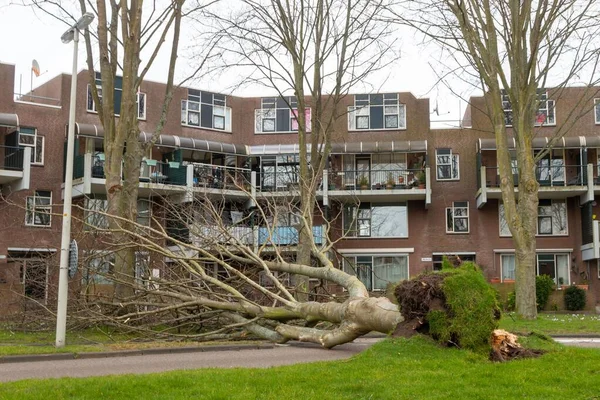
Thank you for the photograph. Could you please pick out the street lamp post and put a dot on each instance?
(63, 279)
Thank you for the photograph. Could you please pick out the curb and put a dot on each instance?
(127, 353)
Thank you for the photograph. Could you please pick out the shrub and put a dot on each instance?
(544, 285)
(574, 298)
(511, 301)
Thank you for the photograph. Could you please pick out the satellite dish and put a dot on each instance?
(73, 258)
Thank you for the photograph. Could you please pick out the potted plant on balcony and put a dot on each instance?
(422, 179)
(390, 181)
(363, 182)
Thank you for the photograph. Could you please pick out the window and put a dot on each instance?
(206, 110)
(279, 115)
(28, 137)
(144, 213)
(93, 214)
(265, 281)
(597, 111)
(376, 111)
(381, 220)
(554, 265)
(447, 165)
(99, 265)
(34, 278)
(118, 94)
(279, 172)
(376, 272)
(437, 259)
(507, 264)
(552, 218)
(457, 217)
(544, 116)
(39, 209)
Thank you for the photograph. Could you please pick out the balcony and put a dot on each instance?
(556, 182)
(15, 168)
(380, 185)
(160, 177)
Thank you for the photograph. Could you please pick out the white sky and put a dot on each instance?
(27, 34)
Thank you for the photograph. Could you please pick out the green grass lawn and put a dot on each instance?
(553, 324)
(392, 369)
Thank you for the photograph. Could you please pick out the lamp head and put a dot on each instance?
(82, 23)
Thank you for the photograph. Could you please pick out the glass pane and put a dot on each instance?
(389, 221)
(562, 269)
(218, 122)
(364, 273)
(504, 229)
(546, 265)
(443, 172)
(268, 125)
(391, 121)
(559, 218)
(449, 220)
(193, 118)
(455, 166)
(545, 225)
(389, 270)
(37, 155)
(508, 267)
(461, 224)
(362, 122)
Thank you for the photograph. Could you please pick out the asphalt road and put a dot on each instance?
(263, 358)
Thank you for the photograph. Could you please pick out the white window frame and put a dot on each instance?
(543, 99)
(597, 111)
(216, 104)
(34, 147)
(350, 270)
(502, 215)
(33, 209)
(454, 160)
(451, 216)
(141, 111)
(348, 230)
(269, 105)
(361, 108)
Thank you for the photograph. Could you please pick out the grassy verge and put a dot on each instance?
(393, 369)
(553, 324)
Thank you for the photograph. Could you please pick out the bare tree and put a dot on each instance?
(218, 277)
(316, 50)
(125, 30)
(514, 48)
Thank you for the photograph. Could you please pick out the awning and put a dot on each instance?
(572, 142)
(90, 130)
(379, 147)
(10, 120)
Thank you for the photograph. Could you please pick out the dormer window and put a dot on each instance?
(279, 115)
(376, 112)
(91, 104)
(206, 110)
(544, 116)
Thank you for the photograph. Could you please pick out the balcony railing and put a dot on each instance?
(547, 176)
(378, 179)
(11, 158)
(221, 177)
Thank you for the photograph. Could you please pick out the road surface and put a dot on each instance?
(256, 358)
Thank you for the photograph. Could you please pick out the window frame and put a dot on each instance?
(198, 98)
(597, 111)
(502, 215)
(33, 211)
(502, 256)
(542, 99)
(352, 228)
(34, 146)
(366, 103)
(352, 270)
(93, 220)
(453, 217)
(454, 160)
(269, 104)
(94, 109)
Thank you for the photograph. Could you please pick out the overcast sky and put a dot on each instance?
(27, 34)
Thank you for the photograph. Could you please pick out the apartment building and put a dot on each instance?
(423, 193)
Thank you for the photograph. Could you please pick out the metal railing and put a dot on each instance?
(221, 177)
(11, 158)
(378, 179)
(31, 98)
(552, 176)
